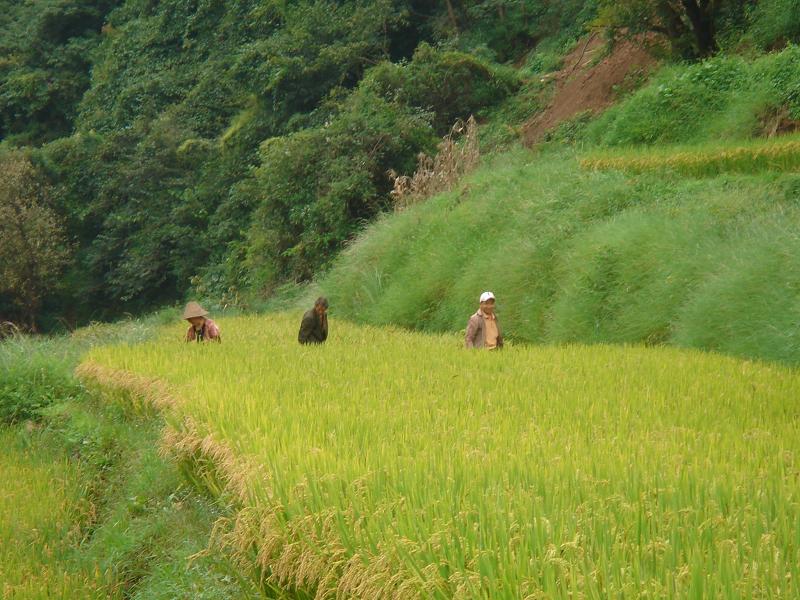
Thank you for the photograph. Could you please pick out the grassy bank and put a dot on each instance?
(88, 507)
(722, 98)
(389, 463)
(576, 255)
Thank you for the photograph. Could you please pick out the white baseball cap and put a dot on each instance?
(487, 296)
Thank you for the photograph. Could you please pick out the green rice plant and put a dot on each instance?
(782, 155)
(38, 502)
(387, 463)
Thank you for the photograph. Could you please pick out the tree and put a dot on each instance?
(32, 244)
(691, 26)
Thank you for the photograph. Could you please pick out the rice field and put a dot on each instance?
(781, 155)
(39, 497)
(392, 464)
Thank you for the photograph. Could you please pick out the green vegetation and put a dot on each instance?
(163, 156)
(756, 156)
(41, 498)
(723, 98)
(589, 256)
(366, 469)
(89, 509)
(225, 149)
(231, 151)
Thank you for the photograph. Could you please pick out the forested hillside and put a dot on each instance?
(225, 148)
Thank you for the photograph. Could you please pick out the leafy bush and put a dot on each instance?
(33, 375)
(318, 186)
(46, 53)
(451, 85)
(505, 29)
(775, 22)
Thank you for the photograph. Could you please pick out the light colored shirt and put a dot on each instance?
(490, 332)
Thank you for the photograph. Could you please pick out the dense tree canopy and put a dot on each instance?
(32, 245)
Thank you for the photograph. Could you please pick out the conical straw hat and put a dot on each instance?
(193, 309)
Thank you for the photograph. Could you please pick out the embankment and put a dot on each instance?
(575, 254)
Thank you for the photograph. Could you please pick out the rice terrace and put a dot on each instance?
(399, 299)
(589, 471)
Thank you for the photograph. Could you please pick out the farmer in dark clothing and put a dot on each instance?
(314, 327)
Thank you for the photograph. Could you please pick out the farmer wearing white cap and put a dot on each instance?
(483, 330)
(201, 328)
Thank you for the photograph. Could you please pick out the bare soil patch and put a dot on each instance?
(588, 84)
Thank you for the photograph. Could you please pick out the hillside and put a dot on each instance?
(210, 145)
(224, 149)
(693, 244)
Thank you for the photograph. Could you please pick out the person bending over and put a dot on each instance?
(201, 328)
(314, 326)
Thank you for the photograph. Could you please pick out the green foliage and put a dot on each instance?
(33, 248)
(723, 97)
(110, 517)
(316, 187)
(509, 28)
(577, 256)
(46, 51)
(451, 85)
(691, 27)
(157, 184)
(34, 375)
(775, 22)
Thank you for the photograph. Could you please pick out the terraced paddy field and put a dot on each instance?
(391, 464)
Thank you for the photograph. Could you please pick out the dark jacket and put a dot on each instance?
(313, 328)
(474, 337)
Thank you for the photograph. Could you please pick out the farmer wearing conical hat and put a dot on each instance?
(483, 330)
(201, 328)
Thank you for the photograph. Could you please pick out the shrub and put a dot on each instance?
(34, 374)
(318, 186)
(451, 85)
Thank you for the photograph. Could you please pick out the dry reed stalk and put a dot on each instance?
(458, 154)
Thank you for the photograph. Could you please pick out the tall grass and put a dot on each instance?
(36, 371)
(392, 464)
(576, 255)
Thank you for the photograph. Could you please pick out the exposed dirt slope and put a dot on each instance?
(588, 84)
